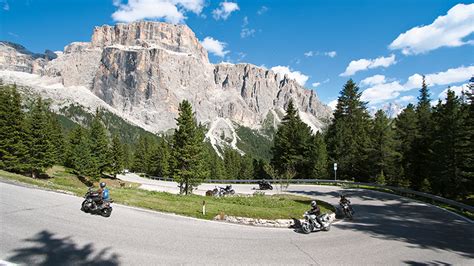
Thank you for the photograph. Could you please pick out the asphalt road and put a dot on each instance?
(42, 227)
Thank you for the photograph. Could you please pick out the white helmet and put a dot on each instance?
(314, 203)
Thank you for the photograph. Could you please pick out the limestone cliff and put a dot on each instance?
(145, 69)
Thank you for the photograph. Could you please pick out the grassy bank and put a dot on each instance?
(258, 206)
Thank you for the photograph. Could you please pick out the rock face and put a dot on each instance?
(15, 57)
(145, 69)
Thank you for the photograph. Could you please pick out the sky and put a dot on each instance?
(384, 46)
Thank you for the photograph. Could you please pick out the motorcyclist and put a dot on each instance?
(316, 211)
(344, 201)
(103, 193)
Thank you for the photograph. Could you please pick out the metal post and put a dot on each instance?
(335, 171)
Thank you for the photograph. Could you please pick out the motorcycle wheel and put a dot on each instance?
(306, 228)
(327, 228)
(106, 212)
(84, 207)
(348, 213)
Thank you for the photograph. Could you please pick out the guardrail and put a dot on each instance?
(453, 203)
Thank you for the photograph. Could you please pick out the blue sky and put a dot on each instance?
(383, 45)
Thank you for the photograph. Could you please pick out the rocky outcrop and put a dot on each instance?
(177, 38)
(15, 57)
(145, 69)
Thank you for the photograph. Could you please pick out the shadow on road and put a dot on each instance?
(48, 249)
(431, 263)
(402, 219)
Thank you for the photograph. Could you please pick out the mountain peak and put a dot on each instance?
(150, 34)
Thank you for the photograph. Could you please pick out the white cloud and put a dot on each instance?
(262, 10)
(407, 98)
(364, 64)
(224, 10)
(296, 75)
(245, 32)
(373, 80)
(316, 84)
(450, 76)
(214, 46)
(458, 90)
(172, 11)
(387, 91)
(331, 54)
(448, 30)
(382, 92)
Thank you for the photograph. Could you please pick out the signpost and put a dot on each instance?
(335, 171)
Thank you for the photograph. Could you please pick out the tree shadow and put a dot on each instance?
(428, 263)
(51, 250)
(406, 220)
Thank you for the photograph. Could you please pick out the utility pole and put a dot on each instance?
(335, 171)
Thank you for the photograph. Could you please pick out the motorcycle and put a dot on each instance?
(347, 210)
(90, 204)
(265, 185)
(310, 223)
(228, 190)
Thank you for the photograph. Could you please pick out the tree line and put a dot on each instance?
(425, 148)
(32, 140)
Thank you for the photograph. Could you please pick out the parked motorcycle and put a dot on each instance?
(347, 210)
(228, 190)
(310, 223)
(91, 204)
(265, 185)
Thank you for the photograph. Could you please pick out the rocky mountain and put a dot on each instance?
(391, 109)
(141, 71)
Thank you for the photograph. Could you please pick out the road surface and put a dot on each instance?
(43, 227)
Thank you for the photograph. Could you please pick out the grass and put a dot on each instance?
(257, 206)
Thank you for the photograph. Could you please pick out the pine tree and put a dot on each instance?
(259, 172)
(232, 163)
(159, 159)
(215, 165)
(383, 155)
(99, 144)
(41, 149)
(57, 139)
(246, 167)
(318, 157)
(347, 137)
(291, 144)
(79, 156)
(405, 134)
(141, 154)
(13, 149)
(188, 149)
(446, 178)
(116, 156)
(465, 145)
(127, 156)
(422, 141)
